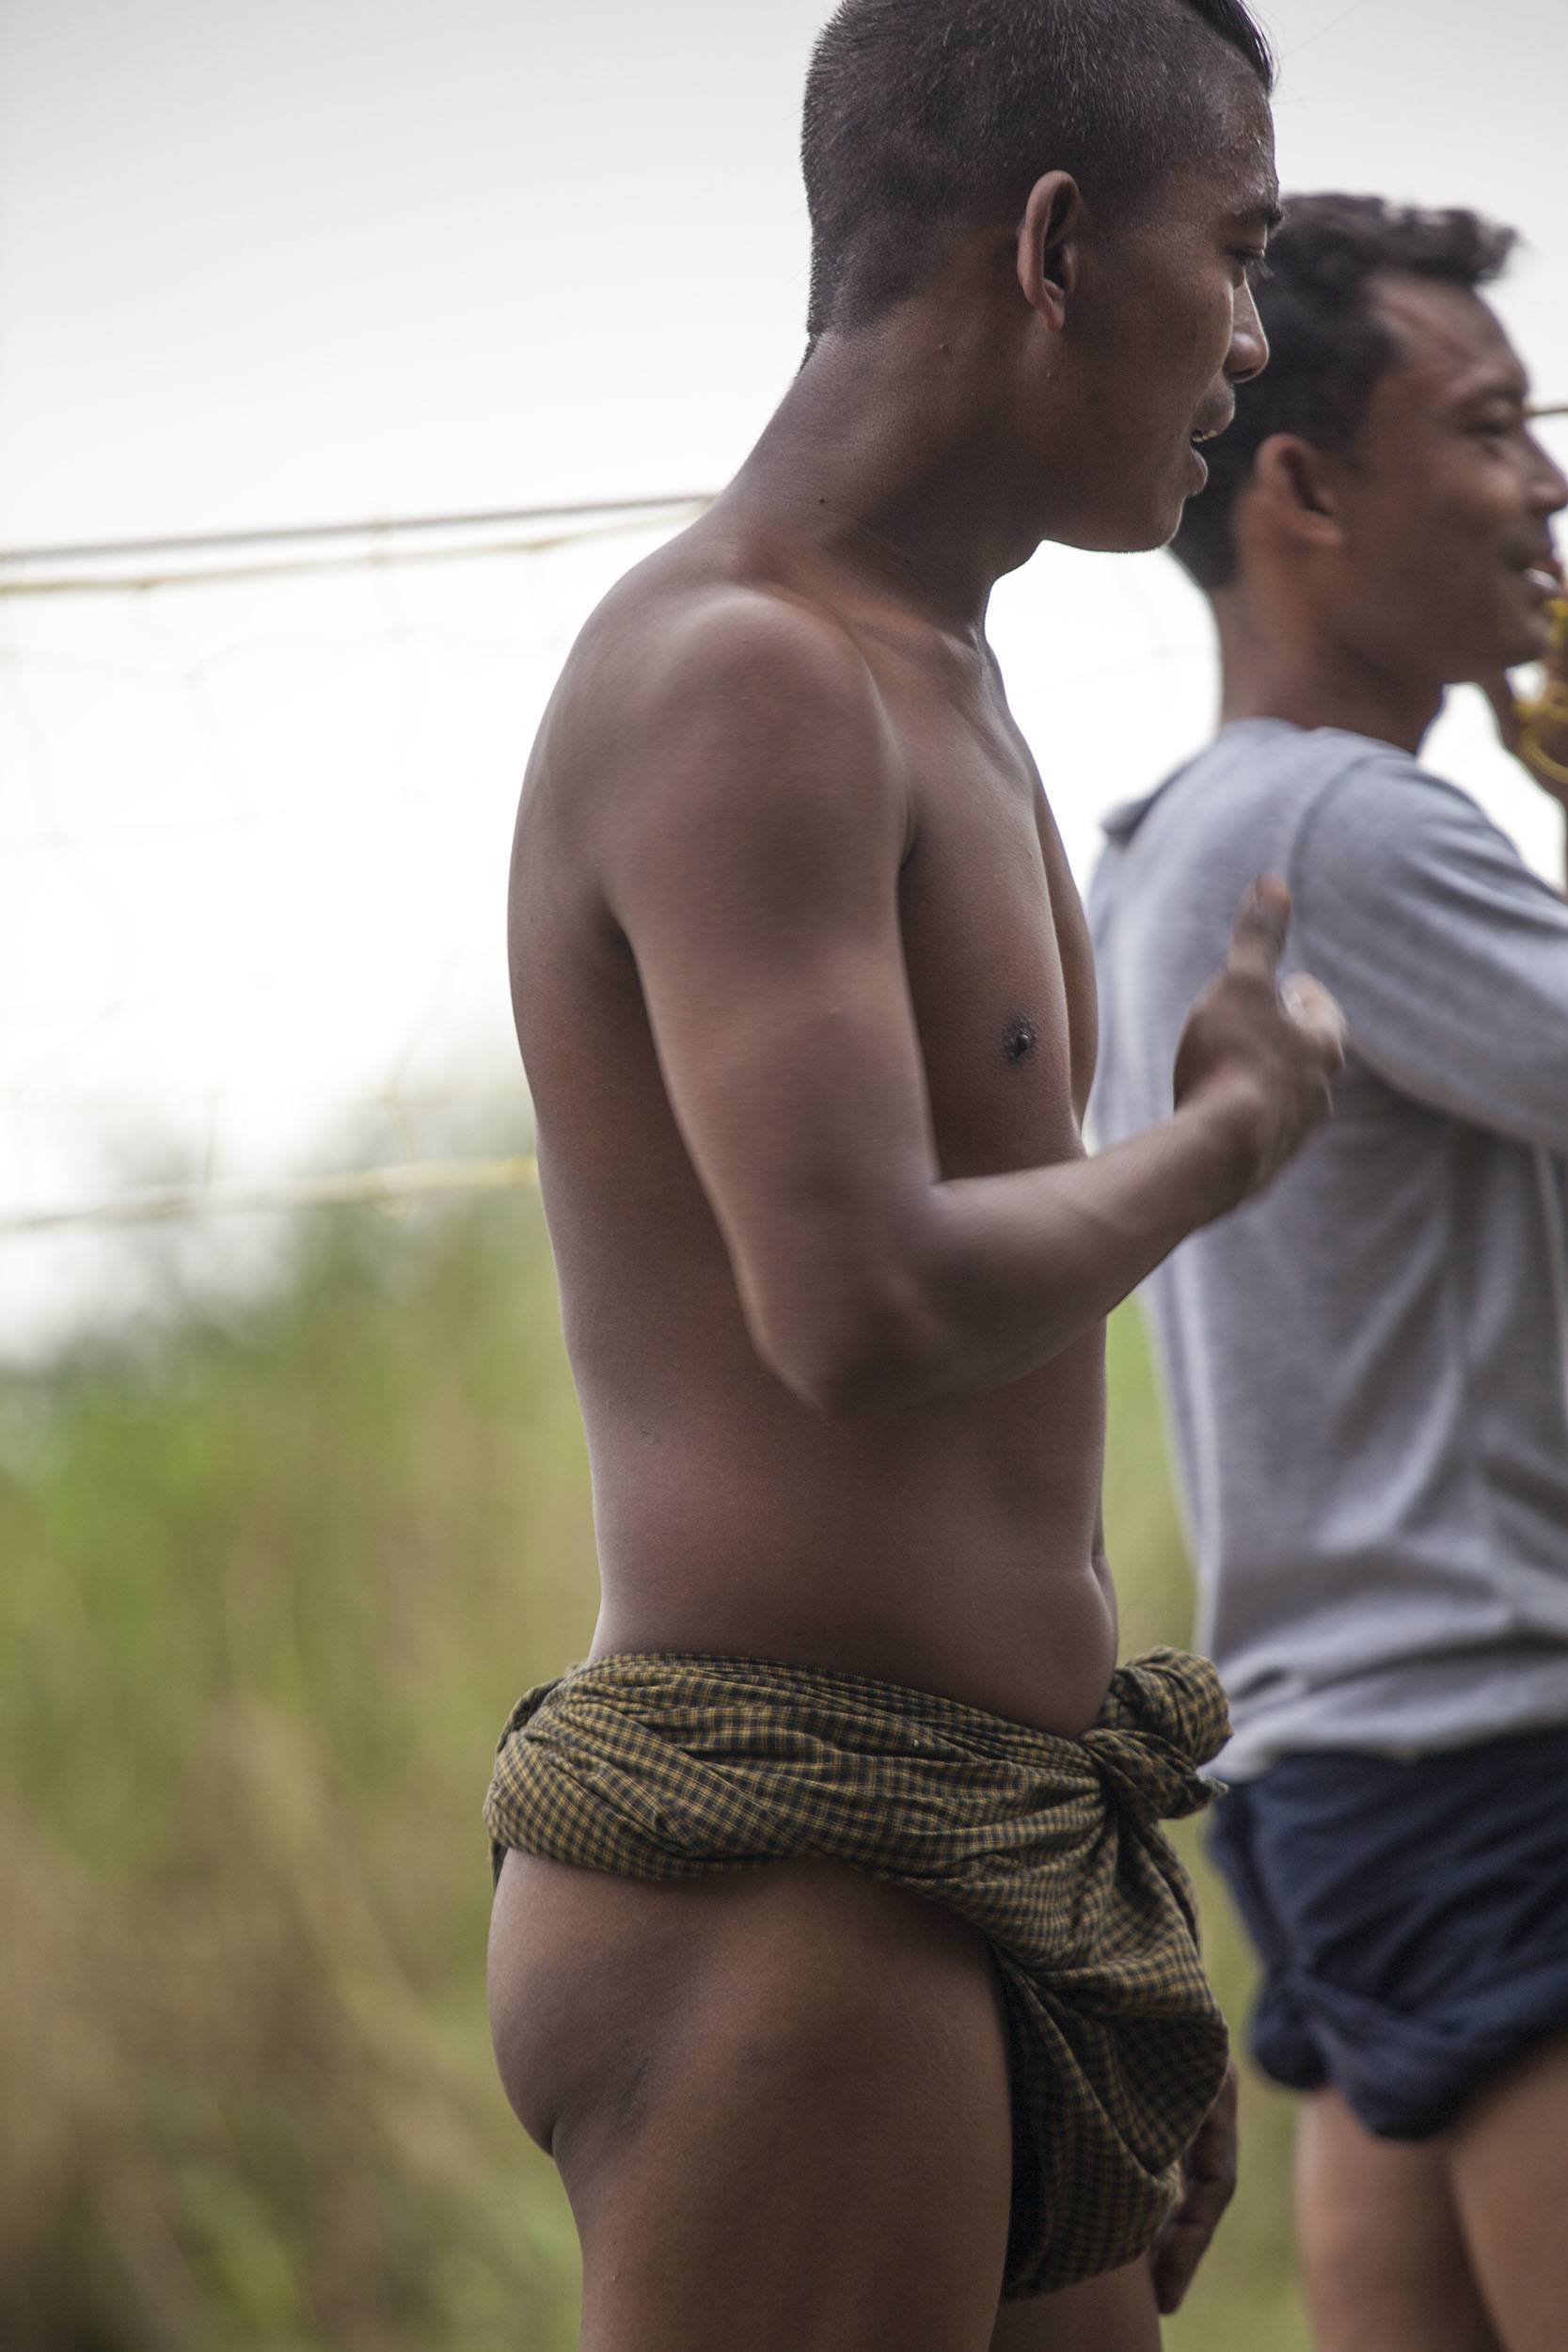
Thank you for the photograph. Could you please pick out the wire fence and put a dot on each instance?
(254, 836)
(255, 829)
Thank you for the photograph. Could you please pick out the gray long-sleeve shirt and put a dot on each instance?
(1366, 1369)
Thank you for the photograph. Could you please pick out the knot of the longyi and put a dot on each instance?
(1165, 1717)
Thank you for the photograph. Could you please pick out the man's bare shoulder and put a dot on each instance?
(690, 665)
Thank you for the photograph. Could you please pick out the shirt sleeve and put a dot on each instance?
(1448, 956)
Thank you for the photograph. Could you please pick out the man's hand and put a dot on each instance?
(1535, 729)
(1209, 2182)
(1266, 1061)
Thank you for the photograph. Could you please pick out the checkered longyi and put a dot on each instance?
(667, 1767)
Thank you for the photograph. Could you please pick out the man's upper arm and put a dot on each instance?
(752, 855)
(1448, 956)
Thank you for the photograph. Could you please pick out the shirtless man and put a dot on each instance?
(805, 999)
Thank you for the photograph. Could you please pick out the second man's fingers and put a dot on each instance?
(1311, 1007)
(1263, 919)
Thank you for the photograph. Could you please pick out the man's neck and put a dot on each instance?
(883, 458)
(1314, 681)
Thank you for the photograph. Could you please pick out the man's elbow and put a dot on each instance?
(851, 1386)
(868, 1346)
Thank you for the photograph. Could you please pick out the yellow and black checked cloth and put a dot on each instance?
(671, 1766)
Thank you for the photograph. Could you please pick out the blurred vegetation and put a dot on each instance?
(273, 1574)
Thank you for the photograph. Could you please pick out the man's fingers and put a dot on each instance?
(1311, 1007)
(1263, 919)
(1209, 2182)
(1185, 2240)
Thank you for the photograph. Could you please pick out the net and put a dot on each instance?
(253, 848)
(253, 851)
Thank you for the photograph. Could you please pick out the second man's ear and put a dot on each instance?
(1047, 246)
(1298, 485)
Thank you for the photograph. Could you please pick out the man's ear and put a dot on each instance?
(1047, 245)
(1298, 489)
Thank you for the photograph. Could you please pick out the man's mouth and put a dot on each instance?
(1212, 431)
(1539, 567)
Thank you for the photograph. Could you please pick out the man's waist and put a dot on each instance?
(1036, 1648)
(1400, 1707)
(703, 1717)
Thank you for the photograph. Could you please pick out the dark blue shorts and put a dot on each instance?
(1412, 1920)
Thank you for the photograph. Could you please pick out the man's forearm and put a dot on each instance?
(1031, 1261)
(902, 1289)
(990, 1277)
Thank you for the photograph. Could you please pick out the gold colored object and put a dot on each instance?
(1542, 763)
(1553, 698)
(1550, 706)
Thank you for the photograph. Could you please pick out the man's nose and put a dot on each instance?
(1249, 346)
(1548, 483)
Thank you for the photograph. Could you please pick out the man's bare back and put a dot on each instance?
(952, 1545)
(804, 996)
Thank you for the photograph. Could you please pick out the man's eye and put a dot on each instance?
(1254, 265)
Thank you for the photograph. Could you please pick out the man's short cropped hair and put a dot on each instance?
(1327, 345)
(926, 115)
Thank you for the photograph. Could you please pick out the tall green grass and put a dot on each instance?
(273, 1575)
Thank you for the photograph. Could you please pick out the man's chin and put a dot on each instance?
(1522, 641)
(1514, 637)
(1530, 630)
(1129, 533)
(1539, 632)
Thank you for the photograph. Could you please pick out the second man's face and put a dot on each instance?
(1448, 556)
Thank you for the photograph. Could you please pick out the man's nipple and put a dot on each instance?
(1019, 1038)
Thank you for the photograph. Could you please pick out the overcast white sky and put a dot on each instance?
(321, 257)
(352, 255)
(331, 259)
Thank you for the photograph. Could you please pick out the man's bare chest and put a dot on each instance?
(1000, 970)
